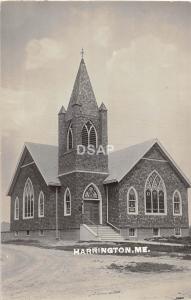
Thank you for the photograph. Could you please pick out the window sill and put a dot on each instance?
(27, 218)
(155, 214)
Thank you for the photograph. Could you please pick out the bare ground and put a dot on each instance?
(31, 273)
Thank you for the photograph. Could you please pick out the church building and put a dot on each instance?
(79, 191)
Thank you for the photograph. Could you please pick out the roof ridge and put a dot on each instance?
(31, 143)
(128, 147)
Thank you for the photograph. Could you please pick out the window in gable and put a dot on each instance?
(155, 194)
(132, 201)
(41, 204)
(16, 209)
(177, 203)
(28, 200)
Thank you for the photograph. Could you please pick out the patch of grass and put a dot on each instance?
(21, 242)
(144, 267)
(172, 239)
(186, 257)
(155, 250)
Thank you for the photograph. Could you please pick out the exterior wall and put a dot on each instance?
(146, 233)
(27, 159)
(70, 160)
(113, 204)
(77, 182)
(67, 235)
(33, 235)
(137, 178)
(36, 223)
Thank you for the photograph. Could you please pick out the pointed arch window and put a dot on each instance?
(41, 205)
(91, 193)
(89, 135)
(67, 203)
(155, 194)
(16, 209)
(28, 200)
(70, 138)
(132, 201)
(177, 203)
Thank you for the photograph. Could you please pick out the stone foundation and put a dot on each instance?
(68, 235)
(145, 233)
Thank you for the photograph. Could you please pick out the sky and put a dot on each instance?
(138, 56)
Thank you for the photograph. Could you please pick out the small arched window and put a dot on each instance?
(41, 204)
(70, 138)
(91, 193)
(89, 135)
(67, 203)
(177, 203)
(28, 200)
(132, 201)
(16, 209)
(155, 194)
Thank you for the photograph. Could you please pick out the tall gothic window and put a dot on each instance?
(41, 204)
(16, 209)
(28, 200)
(155, 193)
(132, 201)
(89, 135)
(67, 202)
(177, 203)
(70, 138)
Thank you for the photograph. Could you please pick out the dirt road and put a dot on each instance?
(31, 273)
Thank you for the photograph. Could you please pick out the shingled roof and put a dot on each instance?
(82, 94)
(45, 158)
(120, 162)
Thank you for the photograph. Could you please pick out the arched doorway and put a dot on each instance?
(92, 205)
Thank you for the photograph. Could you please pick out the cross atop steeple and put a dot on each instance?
(82, 53)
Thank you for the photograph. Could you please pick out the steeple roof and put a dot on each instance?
(62, 110)
(82, 94)
(102, 107)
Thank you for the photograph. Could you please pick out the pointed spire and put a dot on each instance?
(82, 94)
(102, 107)
(62, 110)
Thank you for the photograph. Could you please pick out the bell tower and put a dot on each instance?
(82, 135)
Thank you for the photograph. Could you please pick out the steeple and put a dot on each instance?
(82, 125)
(62, 110)
(82, 94)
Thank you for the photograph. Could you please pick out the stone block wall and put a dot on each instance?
(36, 223)
(137, 178)
(77, 182)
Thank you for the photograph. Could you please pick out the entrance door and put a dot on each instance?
(91, 211)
